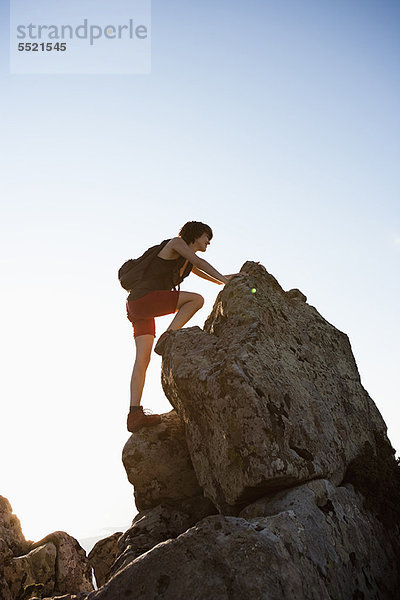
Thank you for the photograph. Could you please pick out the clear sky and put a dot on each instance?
(277, 123)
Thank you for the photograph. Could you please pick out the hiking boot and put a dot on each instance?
(138, 419)
(160, 346)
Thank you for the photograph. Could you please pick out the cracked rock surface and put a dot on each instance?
(312, 542)
(269, 393)
(158, 464)
(272, 478)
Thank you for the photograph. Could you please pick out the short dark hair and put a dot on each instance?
(193, 230)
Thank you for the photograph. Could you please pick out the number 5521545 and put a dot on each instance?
(43, 47)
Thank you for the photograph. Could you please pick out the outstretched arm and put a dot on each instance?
(180, 246)
(200, 273)
(203, 275)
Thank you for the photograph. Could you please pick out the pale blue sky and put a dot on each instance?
(275, 122)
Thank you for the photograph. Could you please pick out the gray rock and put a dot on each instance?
(57, 561)
(275, 417)
(158, 465)
(36, 566)
(73, 572)
(5, 556)
(12, 543)
(10, 529)
(269, 393)
(315, 542)
(103, 555)
(5, 593)
(296, 294)
(156, 525)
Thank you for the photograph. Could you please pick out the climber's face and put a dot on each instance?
(202, 242)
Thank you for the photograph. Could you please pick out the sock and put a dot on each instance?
(134, 408)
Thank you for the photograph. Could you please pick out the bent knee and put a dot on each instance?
(199, 300)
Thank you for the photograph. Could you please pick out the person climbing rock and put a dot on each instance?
(155, 295)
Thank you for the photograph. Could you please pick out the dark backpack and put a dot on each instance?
(133, 270)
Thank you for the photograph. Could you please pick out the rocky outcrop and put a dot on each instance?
(164, 522)
(158, 464)
(73, 572)
(269, 393)
(311, 542)
(10, 529)
(56, 564)
(167, 494)
(273, 478)
(12, 542)
(276, 430)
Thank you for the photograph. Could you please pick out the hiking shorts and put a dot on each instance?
(141, 312)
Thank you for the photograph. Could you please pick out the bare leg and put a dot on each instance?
(188, 304)
(144, 344)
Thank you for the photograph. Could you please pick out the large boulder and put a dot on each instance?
(156, 525)
(10, 529)
(55, 564)
(39, 565)
(73, 573)
(12, 543)
(269, 393)
(310, 542)
(158, 465)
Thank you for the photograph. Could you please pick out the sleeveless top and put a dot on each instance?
(161, 274)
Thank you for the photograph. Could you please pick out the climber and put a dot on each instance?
(154, 297)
